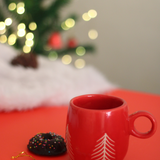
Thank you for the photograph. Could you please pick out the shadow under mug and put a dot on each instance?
(98, 127)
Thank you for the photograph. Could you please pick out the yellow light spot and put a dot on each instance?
(2, 25)
(93, 34)
(20, 4)
(53, 55)
(64, 27)
(86, 17)
(92, 13)
(3, 31)
(12, 39)
(79, 63)
(29, 43)
(29, 36)
(47, 48)
(12, 6)
(26, 49)
(66, 59)
(3, 39)
(20, 10)
(32, 26)
(80, 51)
(21, 32)
(8, 21)
(70, 22)
(21, 26)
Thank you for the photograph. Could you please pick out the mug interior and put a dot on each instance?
(97, 102)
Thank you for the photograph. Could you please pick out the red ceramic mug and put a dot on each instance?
(98, 127)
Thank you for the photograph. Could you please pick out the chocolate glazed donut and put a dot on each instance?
(47, 144)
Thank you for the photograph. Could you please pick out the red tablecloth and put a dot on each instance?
(16, 128)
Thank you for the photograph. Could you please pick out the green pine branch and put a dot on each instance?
(61, 52)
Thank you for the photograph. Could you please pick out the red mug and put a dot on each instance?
(98, 127)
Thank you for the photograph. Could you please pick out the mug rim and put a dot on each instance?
(105, 95)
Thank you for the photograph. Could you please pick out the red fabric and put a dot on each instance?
(16, 128)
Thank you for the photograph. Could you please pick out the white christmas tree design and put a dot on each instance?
(68, 144)
(104, 150)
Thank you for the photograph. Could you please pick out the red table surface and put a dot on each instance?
(16, 128)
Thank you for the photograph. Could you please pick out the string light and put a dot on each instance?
(3, 31)
(86, 17)
(20, 4)
(66, 59)
(63, 26)
(3, 39)
(93, 34)
(2, 25)
(53, 56)
(79, 63)
(47, 48)
(20, 8)
(12, 6)
(29, 43)
(92, 13)
(8, 21)
(21, 26)
(80, 51)
(32, 26)
(12, 39)
(29, 36)
(70, 22)
(21, 32)
(26, 49)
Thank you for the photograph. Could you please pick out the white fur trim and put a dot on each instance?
(52, 84)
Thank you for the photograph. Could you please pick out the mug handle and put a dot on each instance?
(138, 134)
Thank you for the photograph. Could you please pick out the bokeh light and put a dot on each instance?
(80, 51)
(32, 26)
(21, 32)
(29, 36)
(47, 48)
(2, 26)
(12, 39)
(92, 13)
(3, 39)
(79, 63)
(86, 17)
(20, 8)
(64, 27)
(93, 34)
(29, 43)
(52, 55)
(12, 6)
(66, 59)
(20, 4)
(21, 26)
(8, 21)
(26, 49)
(3, 31)
(70, 22)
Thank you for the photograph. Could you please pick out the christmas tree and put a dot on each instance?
(35, 29)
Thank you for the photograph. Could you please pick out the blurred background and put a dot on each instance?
(128, 42)
(126, 36)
